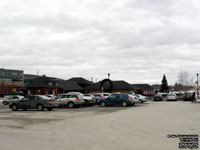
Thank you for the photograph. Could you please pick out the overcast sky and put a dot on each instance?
(134, 40)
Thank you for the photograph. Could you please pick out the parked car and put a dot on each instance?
(50, 95)
(188, 96)
(135, 97)
(118, 99)
(89, 99)
(106, 95)
(141, 98)
(70, 100)
(39, 102)
(171, 97)
(8, 100)
(99, 96)
(158, 97)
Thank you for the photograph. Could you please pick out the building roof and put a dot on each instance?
(30, 76)
(80, 81)
(69, 85)
(2, 69)
(42, 82)
(117, 85)
(143, 86)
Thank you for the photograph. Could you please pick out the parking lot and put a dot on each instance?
(140, 127)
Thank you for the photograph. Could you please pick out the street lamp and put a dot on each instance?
(108, 75)
(197, 85)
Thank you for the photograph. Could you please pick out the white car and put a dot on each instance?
(171, 97)
(70, 100)
(11, 99)
(106, 95)
(141, 98)
(134, 98)
(88, 98)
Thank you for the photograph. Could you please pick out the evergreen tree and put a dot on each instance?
(164, 85)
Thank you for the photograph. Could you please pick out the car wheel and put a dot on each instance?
(103, 104)
(86, 103)
(49, 109)
(70, 105)
(124, 104)
(4, 102)
(40, 107)
(14, 107)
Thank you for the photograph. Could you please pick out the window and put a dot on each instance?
(50, 83)
(26, 99)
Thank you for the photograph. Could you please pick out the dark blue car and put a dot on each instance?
(118, 99)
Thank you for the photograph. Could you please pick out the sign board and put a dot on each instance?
(14, 90)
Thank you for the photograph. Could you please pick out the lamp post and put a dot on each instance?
(108, 75)
(197, 85)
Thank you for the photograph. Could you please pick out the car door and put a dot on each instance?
(111, 100)
(33, 102)
(64, 99)
(117, 99)
(24, 103)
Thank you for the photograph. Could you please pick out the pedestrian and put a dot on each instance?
(193, 97)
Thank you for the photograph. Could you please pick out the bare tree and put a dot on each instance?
(183, 78)
(184, 81)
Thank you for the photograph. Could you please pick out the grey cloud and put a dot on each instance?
(137, 41)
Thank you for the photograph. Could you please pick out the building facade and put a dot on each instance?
(10, 80)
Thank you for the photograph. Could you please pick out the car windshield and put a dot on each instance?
(25, 99)
(97, 95)
(158, 95)
(188, 93)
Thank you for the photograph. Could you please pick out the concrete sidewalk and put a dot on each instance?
(197, 101)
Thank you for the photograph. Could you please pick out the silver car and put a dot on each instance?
(11, 99)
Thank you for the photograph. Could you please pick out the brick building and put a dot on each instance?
(10, 81)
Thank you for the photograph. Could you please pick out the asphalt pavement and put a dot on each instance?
(140, 127)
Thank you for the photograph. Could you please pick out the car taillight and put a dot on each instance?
(135, 97)
(48, 101)
(100, 96)
(129, 98)
(77, 99)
